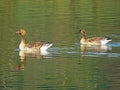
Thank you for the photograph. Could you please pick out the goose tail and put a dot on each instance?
(46, 46)
(105, 40)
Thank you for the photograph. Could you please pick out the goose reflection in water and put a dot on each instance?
(94, 49)
(23, 54)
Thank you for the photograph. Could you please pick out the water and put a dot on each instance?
(67, 65)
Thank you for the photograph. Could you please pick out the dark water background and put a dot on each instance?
(67, 64)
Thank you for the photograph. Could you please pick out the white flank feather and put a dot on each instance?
(45, 47)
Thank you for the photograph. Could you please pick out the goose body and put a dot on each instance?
(35, 46)
(93, 40)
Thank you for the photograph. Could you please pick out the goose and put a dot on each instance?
(93, 40)
(35, 46)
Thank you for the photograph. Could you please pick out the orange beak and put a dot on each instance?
(17, 32)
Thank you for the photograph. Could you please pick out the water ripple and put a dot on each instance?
(116, 44)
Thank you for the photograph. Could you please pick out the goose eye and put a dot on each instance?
(21, 32)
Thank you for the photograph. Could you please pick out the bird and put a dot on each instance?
(93, 40)
(35, 46)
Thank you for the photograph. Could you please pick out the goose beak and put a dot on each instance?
(17, 32)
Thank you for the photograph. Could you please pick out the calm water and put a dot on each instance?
(67, 65)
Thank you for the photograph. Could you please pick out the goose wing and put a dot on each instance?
(39, 44)
(95, 39)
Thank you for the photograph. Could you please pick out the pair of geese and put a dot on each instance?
(43, 46)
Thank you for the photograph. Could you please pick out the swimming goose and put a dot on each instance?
(42, 46)
(93, 40)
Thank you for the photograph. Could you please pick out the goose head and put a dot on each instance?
(21, 32)
(82, 32)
